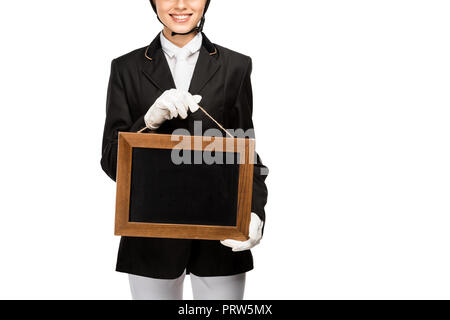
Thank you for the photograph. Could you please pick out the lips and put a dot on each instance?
(181, 18)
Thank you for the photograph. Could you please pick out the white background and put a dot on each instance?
(351, 110)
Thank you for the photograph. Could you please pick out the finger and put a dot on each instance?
(256, 226)
(169, 104)
(237, 245)
(244, 246)
(227, 243)
(181, 108)
(192, 102)
(162, 109)
(231, 243)
(167, 115)
(197, 98)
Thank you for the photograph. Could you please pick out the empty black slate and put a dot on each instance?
(163, 192)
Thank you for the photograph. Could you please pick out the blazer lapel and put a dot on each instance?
(207, 65)
(157, 70)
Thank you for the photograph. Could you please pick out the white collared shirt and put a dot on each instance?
(170, 50)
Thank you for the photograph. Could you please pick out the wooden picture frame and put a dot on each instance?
(129, 140)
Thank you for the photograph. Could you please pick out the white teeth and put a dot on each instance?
(180, 17)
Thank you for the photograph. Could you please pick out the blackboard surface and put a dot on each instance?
(200, 194)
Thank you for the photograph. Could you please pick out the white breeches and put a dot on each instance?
(203, 288)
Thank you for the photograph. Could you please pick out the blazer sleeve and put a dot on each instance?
(243, 112)
(118, 118)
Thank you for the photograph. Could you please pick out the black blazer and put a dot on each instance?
(222, 77)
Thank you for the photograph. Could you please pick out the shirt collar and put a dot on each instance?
(171, 49)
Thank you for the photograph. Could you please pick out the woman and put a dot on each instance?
(180, 68)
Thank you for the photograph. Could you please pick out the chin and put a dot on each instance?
(181, 30)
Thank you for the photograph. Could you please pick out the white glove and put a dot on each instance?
(254, 233)
(171, 104)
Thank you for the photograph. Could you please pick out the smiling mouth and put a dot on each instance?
(181, 18)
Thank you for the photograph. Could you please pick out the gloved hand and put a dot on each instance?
(171, 104)
(254, 233)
